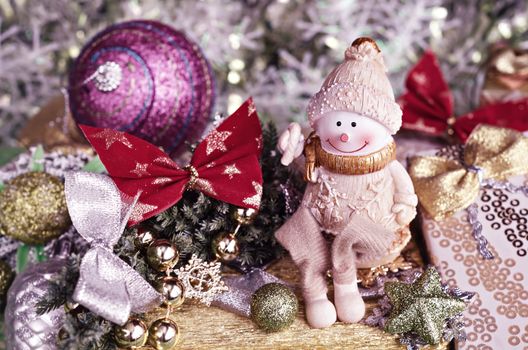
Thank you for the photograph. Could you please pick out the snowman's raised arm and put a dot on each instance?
(404, 189)
(291, 143)
(405, 200)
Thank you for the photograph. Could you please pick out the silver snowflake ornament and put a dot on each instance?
(202, 280)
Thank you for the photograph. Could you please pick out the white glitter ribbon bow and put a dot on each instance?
(107, 285)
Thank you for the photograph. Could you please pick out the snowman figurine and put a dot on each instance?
(359, 200)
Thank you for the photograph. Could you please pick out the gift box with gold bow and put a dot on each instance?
(474, 205)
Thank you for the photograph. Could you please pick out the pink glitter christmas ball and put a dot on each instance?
(145, 78)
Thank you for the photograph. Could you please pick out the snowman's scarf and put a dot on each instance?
(348, 165)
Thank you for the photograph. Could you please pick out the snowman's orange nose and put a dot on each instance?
(344, 137)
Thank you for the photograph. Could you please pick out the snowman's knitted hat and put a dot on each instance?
(359, 84)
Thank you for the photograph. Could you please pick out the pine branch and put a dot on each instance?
(196, 220)
(54, 299)
(86, 331)
(61, 287)
(192, 224)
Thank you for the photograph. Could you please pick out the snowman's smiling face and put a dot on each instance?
(351, 134)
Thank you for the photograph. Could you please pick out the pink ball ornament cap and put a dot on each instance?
(147, 79)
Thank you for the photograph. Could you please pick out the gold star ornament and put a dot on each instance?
(421, 307)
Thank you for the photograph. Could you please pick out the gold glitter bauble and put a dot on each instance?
(225, 247)
(172, 291)
(164, 334)
(132, 334)
(245, 216)
(162, 255)
(273, 307)
(6, 278)
(33, 208)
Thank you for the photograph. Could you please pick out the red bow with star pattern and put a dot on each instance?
(225, 165)
(428, 106)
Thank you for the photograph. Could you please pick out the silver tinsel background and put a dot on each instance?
(279, 51)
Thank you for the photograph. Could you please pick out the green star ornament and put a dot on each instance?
(421, 307)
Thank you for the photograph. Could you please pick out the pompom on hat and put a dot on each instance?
(360, 85)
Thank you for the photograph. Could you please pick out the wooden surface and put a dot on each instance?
(213, 328)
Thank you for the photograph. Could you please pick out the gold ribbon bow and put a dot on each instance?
(446, 186)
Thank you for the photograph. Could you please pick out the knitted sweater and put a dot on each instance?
(335, 197)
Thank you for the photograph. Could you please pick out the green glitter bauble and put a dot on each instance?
(33, 208)
(273, 307)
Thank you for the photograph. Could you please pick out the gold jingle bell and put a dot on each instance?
(132, 334)
(162, 255)
(225, 246)
(143, 238)
(164, 334)
(172, 291)
(245, 216)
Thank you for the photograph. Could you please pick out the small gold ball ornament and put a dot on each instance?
(245, 216)
(71, 305)
(172, 291)
(62, 335)
(33, 208)
(273, 307)
(225, 247)
(162, 255)
(73, 308)
(132, 334)
(164, 334)
(143, 238)
(6, 278)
